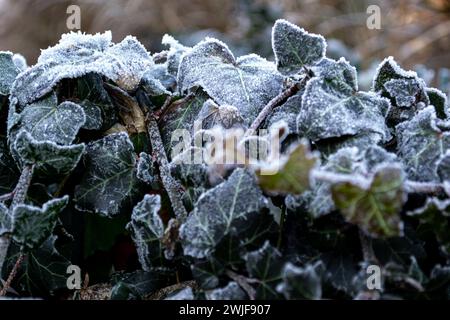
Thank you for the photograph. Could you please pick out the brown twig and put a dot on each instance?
(12, 274)
(243, 282)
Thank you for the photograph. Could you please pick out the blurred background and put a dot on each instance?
(415, 32)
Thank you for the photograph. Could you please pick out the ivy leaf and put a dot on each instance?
(404, 91)
(146, 171)
(8, 72)
(175, 53)
(291, 173)
(435, 214)
(212, 115)
(301, 283)
(181, 115)
(231, 291)
(295, 48)
(247, 83)
(333, 107)
(78, 54)
(9, 173)
(420, 144)
(96, 103)
(43, 270)
(266, 265)
(219, 212)
(147, 230)
(438, 99)
(286, 112)
(207, 272)
(49, 158)
(373, 205)
(32, 225)
(47, 121)
(110, 181)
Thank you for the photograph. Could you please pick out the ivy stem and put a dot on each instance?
(12, 274)
(275, 102)
(168, 181)
(367, 249)
(19, 194)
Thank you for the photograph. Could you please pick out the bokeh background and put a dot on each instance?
(415, 32)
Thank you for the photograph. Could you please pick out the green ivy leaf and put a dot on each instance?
(8, 72)
(291, 173)
(110, 181)
(302, 283)
(374, 205)
(32, 225)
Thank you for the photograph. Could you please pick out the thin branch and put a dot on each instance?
(6, 196)
(12, 275)
(20, 192)
(275, 102)
(243, 283)
(168, 181)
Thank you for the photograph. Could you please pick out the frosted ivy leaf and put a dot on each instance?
(93, 113)
(147, 230)
(340, 69)
(5, 220)
(231, 291)
(175, 53)
(109, 182)
(361, 141)
(295, 48)
(47, 121)
(189, 167)
(373, 204)
(8, 72)
(180, 115)
(49, 158)
(78, 54)
(219, 212)
(183, 294)
(20, 62)
(160, 73)
(152, 85)
(266, 265)
(32, 225)
(248, 82)
(302, 283)
(404, 91)
(438, 99)
(9, 172)
(212, 115)
(435, 215)
(145, 169)
(290, 174)
(333, 107)
(420, 144)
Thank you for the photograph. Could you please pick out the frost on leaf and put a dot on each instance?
(302, 283)
(266, 265)
(78, 54)
(443, 167)
(286, 112)
(212, 115)
(295, 48)
(438, 99)
(420, 144)
(8, 72)
(110, 181)
(435, 215)
(219, 212)
(146, 170)
(247, 83)
(49, 158)
(333, 107)
(290, 174)
(9, 173)
(147, 230)
(175, 53)
(32, 225)
(231, 291)
(373, 204)
(45, 120)
(404, 88)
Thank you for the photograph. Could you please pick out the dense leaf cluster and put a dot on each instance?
(86, 159)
